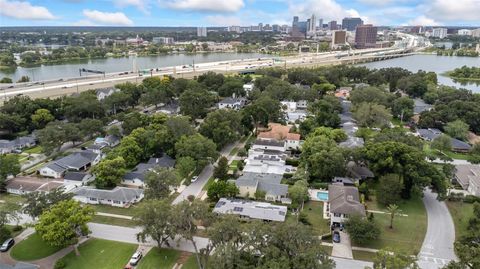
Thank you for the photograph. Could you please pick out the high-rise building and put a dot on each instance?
(295, 21)
(163, 40)
(312, 25)
(201, 31)
(339, 38)
(234, 28)
(320, 23)
(464, 32)
(350, 24)
(439, 32)
(366, 36)
(332, 25)
(476, 32)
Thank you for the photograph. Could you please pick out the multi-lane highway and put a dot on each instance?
(66, 86)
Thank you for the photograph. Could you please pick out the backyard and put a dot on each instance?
(159, 259)
(32, 248)
(461, 214)
(100, 254)
(314, 212)
(408, 231)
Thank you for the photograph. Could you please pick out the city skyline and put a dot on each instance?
(234, 12)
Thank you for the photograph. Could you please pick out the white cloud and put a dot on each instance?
(84, 23)
(220, 20)
(24, 11)
(458, 10)
(323, 9)
(205, 5)
(141, 5)
(106, 18)
(422, 21)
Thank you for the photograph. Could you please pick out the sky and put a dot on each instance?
(234, 12)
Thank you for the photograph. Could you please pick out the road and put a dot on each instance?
(196, 187)
(341, 263)
(437, 249)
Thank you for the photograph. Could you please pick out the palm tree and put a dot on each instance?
(393, 210)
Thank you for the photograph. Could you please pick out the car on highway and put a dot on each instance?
(135, 258)
(7, 245)
(10, 87)
(194, 178)
(336, 237)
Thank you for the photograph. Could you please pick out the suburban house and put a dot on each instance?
(77, 179)
(136, 177)
(172, 108)
(293, 111)
(420, 106)
(278, 132)
(9, 146)
(431, 133)
(269, 145)
(468, 176)
(251, 209)
(358, 171)
(77, 161)
(107, 141)
(24, 185)
(105, 92)
(119, 196)
(249, 183)
(232, 102)
(343, 92)
(248, 88)
(343, 201)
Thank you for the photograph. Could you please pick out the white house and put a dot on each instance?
(77, 179)
(105, 92)
(77, 161)
(119, 197)
(232, 103)
(248, 88)
(251, 209)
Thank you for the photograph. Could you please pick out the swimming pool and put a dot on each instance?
(322, 195)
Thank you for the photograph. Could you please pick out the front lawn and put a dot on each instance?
(408, 231)
(191, 263)
(364, 255)
(116, 210)
(159, 259)
(113, 221)
(314, 212)
(100, 254)
(11, 198)
(461, 214)
(34, 150)
(32, 248)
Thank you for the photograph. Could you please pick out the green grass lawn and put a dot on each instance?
(407, 233)
(209, 182)
(34, 150)
(113, 221)
(116, 210)
(32, 248)
(233, 152)
(100, 254)
(436, 153)
(159, 259)
(363, 255)
(234, 164)
(191, 263)
(314, 212)
(461, 214)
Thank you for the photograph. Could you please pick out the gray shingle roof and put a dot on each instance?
(134, 175)
(345, 200)
(77, 159)
(251, 209)
(164, 161)
(125, 195)
(269, 183)
(431, 133)
(359, 171)
(76, 176)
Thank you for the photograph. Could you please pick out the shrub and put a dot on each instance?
(292, 162)
(470, 199)
(17, 228)
(319, 185)
(302, 217)
(4, 233)
(60, 265)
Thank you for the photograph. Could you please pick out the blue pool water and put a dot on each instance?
(322, 196)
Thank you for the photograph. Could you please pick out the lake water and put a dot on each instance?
(437, 64)
(111, 65)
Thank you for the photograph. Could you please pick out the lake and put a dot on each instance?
(437, 64)
(111, 65)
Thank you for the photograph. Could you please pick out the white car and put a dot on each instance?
(194, 178)
(135, 258)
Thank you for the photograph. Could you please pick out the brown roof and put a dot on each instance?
(279, 132)
(345, 200)
(29, 184)
(466, 172)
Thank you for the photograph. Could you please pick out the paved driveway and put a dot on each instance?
(344, 248)
(437, 249)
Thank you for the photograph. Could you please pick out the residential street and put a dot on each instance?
(196, 187)
(437, 249)
(342, 263)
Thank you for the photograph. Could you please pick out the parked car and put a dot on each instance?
(194, 178)
(336, 237)
(7, 245)
(135, 258)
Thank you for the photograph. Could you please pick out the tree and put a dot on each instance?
(322, 158)
(38, 202)
(442, 143)
(155, 218)
(414, 85)
(9, 165)
(388, 259)
(159, 182)
(221, 189)
(185, 166)
(298, 193)
(362, 230)
(41, 118)
(90, 127)
(457, 129)
(195, 102)
(6, 80)
(109, 173)
(130, 151)
(11, 122)
(372, 115)
(232, 86)
(64, 223)
(370, 95)
(335, 134)
(389, 189)
(198, 147)
(24, 79)
(402, 108)
(222, 126)
(393, 210)
(221, 169)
